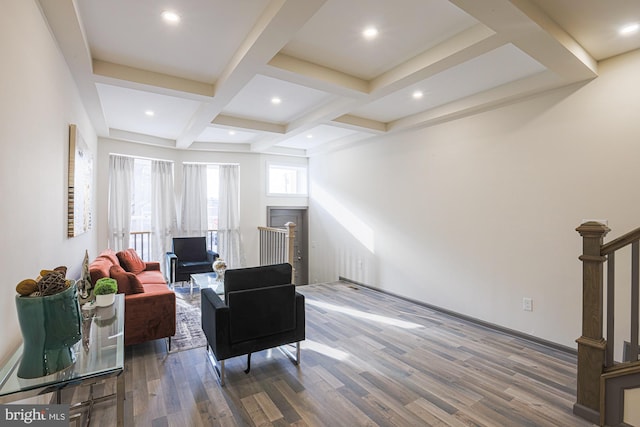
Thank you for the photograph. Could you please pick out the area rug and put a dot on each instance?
(188, 327)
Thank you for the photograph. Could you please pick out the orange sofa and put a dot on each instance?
(149, 304)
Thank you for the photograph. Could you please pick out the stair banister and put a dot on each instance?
(591, 344)
(599, 385)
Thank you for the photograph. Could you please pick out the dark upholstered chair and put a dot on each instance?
(189, 256)
(261, 310)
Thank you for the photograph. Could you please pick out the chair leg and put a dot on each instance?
(168, 344)
(294, 358)
(246, 371)
(214, 363)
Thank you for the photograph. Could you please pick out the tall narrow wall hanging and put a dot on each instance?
(80, 184)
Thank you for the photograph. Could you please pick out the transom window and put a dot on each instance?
(286, 179)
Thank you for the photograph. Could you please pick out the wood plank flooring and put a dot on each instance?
(370, 359)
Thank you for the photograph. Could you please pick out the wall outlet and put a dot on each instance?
(527, 304)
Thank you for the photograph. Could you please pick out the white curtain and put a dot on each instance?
(229, 242)
(193, 214)
(120, 194)
(163, 209)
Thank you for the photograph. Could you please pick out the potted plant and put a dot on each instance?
(105, 291)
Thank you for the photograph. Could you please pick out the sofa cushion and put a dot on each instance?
(130, 261)
(128, 283)
(99, 268)
(151, 276)
(110, 254)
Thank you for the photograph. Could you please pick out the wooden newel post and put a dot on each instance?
(291, 235)
(591, 345)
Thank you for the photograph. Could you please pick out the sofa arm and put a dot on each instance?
(152, 266)
(212, 256)
(171, 260)
(215, 323)
(149, 316)
(300, 318)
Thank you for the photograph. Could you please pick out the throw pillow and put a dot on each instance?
(128, 283)
(135, 286)
(130, 261)
(116, 272)
(110, 255)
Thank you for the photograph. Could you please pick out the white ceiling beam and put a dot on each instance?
(221, 146)
(277, 25)
(64, 20)
(254, 125)
(322, 114)
(533, 32)
(360, 124)
(456, 50)
(294, 70)
(141, 138)
(449, 53)
(149, 81)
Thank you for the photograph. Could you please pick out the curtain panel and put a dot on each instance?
(193, 213)
(229, 241)
(163, 209)
(120, 196)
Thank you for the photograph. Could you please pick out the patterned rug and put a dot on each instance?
(188, 328)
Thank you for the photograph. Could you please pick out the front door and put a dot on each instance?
(278, 217)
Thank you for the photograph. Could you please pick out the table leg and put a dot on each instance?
(120, 399)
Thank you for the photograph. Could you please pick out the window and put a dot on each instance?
(287, 180)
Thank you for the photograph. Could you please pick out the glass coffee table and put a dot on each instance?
(207, 280)
(99, 355)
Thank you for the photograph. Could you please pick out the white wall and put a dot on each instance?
(39, 101)
(475, 214)
(253, 198)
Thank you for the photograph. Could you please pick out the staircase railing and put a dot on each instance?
(595, 351)
(276, 244)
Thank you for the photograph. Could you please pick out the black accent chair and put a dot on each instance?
(261, 310)
(189, 256)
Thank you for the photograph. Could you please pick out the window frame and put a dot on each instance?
(286, 165)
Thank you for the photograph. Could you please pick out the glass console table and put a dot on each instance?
(99, 356)
(207, 280)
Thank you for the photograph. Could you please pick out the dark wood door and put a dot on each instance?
(278, 217)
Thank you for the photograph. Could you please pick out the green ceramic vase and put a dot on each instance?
(50, 326)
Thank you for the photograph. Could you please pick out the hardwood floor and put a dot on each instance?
(369, 359)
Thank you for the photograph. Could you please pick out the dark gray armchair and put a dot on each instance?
(261, 310)
(189, 256)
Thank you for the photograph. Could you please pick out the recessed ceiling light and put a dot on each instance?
(149, 113)
(370, 33)
(629, 29)
(309, 136)
(170, 17)
(417, 94)
(275, 100)
(232, 132)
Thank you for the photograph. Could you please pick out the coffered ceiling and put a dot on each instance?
(209, 81)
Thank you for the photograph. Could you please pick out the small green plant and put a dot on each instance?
(105, 286)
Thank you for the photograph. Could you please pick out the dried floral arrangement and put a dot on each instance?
(49, 282)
